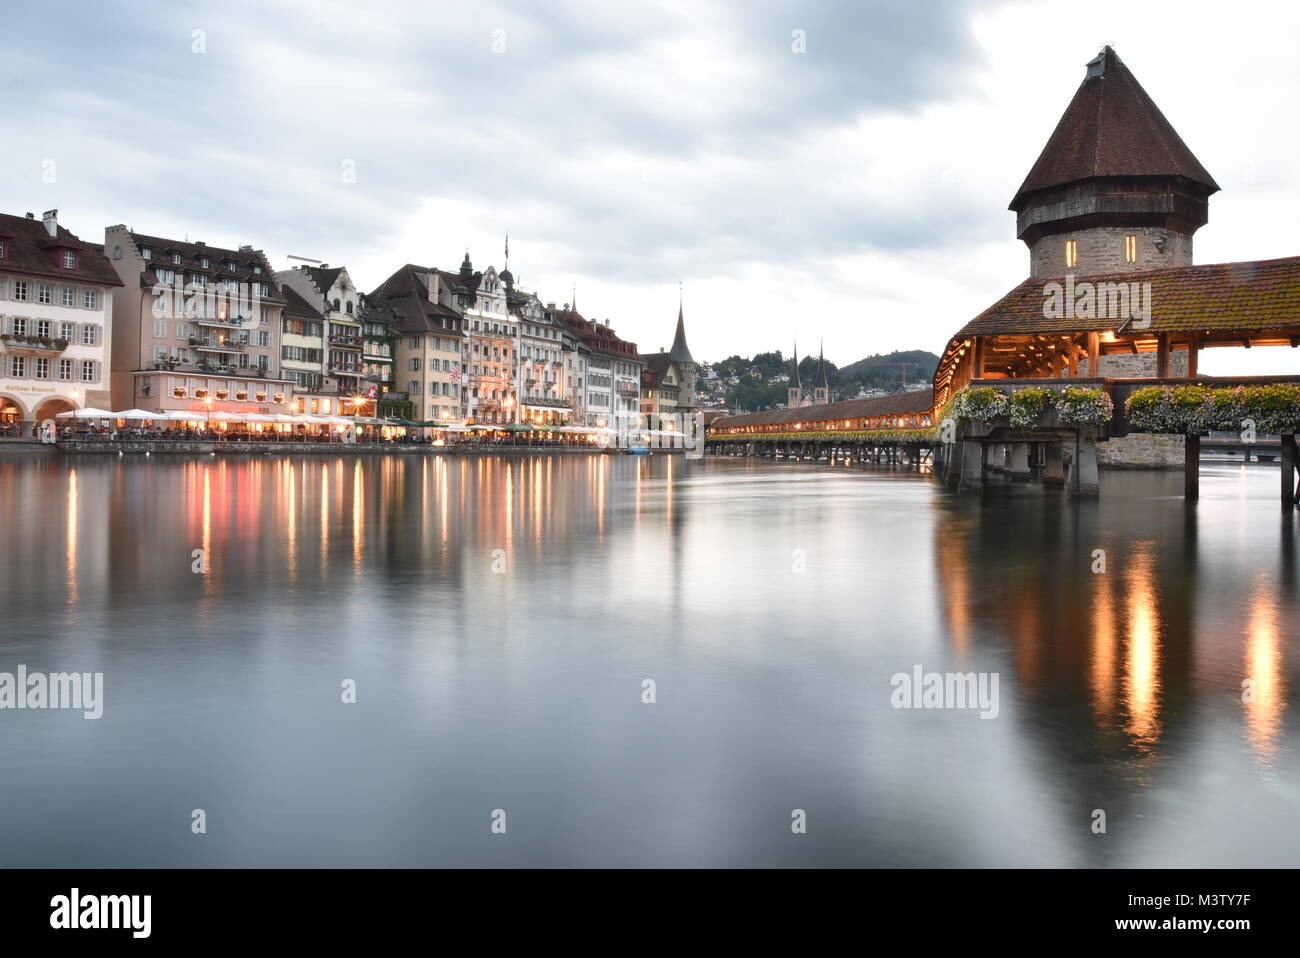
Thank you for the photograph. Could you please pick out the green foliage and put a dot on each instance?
(1198, 410)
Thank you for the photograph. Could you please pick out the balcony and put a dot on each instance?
(230, 323)
(217, 345)
(346, 342)
(36, 345)
(348, 369)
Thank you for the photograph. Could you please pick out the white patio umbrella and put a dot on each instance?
(90, 412)
(186, 415)
(222, 416)
(138, 414)
(258, 417)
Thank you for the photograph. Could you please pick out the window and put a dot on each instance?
(17, 366)
(89, 335)
(204, 262)
(160, 329)
(44, 294)
(2, 249)
(146, 252)
(67, 331)
(414, 386)
(88, 371)
(90, 299)
(415, 342)
(165, 275)
(257, 269)
(42, 368)
(1071, 254)
(43, 327)
(20, 290)
(69, 259)
(20, 326)
(68, 296)
(176, 258)
(1130, 249)
(65, 369)
(348, 309)
(264, 289)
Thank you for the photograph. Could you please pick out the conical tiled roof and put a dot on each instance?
(1111, 128)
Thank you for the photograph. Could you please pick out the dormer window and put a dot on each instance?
(176, 258)
(204, 262)
(69, 259)
(2, 249)
(146, 252)
(257, 269)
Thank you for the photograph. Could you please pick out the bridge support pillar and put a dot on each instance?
(1053, 464)
(1083, 480)
(1020, 461)
(1290, 463)
(1192, 468)
(972, 466)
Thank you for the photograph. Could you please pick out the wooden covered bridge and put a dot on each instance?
(1102, 341)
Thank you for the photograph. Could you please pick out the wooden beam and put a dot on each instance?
(1094, 355)
(1193, 354)
(1162, 356)
(978, 370)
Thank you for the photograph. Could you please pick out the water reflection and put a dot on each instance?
(1122, 689)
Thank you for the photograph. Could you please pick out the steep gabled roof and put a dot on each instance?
(406, 293)
(1111, 128)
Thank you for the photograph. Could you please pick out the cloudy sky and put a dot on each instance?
(856, 191)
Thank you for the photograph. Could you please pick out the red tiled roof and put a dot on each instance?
(30, 251)
(1224, 297)
(1112, 128)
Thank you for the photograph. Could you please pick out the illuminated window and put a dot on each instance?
(1130, 249)
(1071, 254)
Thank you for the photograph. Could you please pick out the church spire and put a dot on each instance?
(680, 353)
(821, 391)
(794, 394)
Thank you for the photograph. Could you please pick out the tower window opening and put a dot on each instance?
(1130, 249)
(1071, 254)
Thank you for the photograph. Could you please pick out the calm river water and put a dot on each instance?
(500, 615)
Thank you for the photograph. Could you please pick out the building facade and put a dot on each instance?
(668, 385)
(428, 330)
(195, 327)
(56, 309)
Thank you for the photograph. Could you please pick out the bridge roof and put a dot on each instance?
(1244, 298)
(896, 404)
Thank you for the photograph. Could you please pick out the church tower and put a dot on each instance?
(821, 391)
(1115, 188)
(794, 394)
(688, 369)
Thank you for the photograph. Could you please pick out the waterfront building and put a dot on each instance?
(378, 344)
(302, 353)
(602, 360)
(342, 387)
(542, 396)
(424, 311)
(194, 327)
(56, 310)
(490, 347)
(668, 383)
